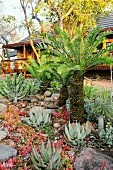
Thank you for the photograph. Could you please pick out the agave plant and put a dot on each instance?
(48, 158)
(75, 133)
(37, 116)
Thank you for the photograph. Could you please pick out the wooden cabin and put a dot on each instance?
(14, 62)
(103, 70)
(24, 52)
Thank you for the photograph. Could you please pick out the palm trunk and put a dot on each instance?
(63, 96)
(76, 96)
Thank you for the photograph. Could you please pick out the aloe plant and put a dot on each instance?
(48, 158)
(102, 106)
(75, 133)
(16, 87)
(37, 116)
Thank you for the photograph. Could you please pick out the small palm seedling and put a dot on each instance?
(38, 116)
(48, 158)
(75, 134)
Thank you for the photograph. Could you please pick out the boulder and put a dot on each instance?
(7, 152)
(90, 159)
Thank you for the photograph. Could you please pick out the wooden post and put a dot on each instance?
(3, 54)
(24, 50)
(2, 63)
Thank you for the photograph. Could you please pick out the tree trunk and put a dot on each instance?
(76, 96)
(63, 96)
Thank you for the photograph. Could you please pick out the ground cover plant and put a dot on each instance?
(29, 138)
(41, 148)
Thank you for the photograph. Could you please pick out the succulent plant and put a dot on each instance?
(37, 116)
(16, 87)
(107, 135)
(48, 158)
(75, 133)
(48, 129)
(102, 107)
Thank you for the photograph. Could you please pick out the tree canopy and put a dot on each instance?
(72, 13)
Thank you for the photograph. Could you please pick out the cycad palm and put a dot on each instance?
(60, 74)
(78, 56)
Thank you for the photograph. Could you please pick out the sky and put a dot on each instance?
(12, 7)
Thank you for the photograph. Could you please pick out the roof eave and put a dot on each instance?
(11, 46)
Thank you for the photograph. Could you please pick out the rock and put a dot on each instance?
(51, 110)
(52, 106)
(3, 107)
(38, 109)
(89, 159)
(47, 93)
(32, 96)
(109, 153)
(4, 100)
(26, 99)
(34, 100)
(3, 134)
(48, 99)
(89, 127)
(23, 105)
(61, 129)
(7, 152)
(56, 125)
(41, 103)
(61, 121)
(40, 97)
(55, 96)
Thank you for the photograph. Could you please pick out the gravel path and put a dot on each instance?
(103, 83)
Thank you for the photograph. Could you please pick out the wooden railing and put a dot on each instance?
(17, 66)
(101, 67)
(13, 66)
